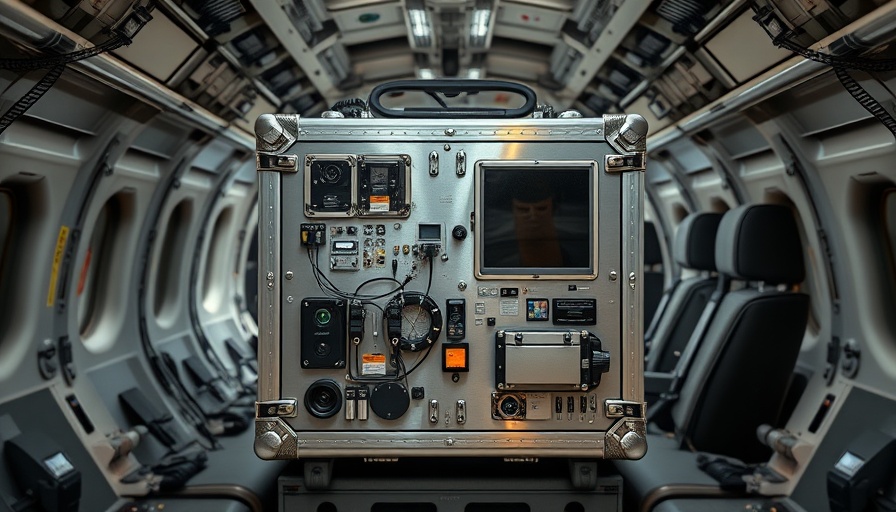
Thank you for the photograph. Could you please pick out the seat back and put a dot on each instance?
(693, 248)
(739, 375)
(653, 272)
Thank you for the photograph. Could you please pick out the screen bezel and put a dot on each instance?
(530, 273)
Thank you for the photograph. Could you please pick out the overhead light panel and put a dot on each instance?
(420, 25)
(481, 23)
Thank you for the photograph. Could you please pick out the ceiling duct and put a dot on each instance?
(593, 16)
(307, 16)
(335, 61)
(687, 16)
(564, 60)
(215, 15)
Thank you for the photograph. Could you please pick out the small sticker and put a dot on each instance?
(57, 261)
(373, 364)
(480, 308)
(510, 307)
(379, 203)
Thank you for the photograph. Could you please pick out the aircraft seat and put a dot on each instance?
(739, 376)
(653, 272)
(693, 248)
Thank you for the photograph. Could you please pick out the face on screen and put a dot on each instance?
(536, 220)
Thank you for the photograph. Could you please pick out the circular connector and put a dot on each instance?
(510, 406)
(331, 174)
(323, 398)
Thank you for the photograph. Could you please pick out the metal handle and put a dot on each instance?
(450, 89)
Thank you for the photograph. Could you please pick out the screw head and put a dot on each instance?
(462, 285)
(289, 274)
(613, 275)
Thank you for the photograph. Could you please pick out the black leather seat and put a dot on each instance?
(739, 375)
(693, 248)
(654, 280)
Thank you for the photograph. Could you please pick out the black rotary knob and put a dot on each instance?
(600, 363)
(459, 232)
(600, 360)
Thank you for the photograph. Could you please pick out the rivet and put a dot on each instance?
(290, 299)
(613, 275)
(289, 274)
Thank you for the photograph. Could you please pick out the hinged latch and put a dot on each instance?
(623, 409)
(282, 163)
(631, 162)
(286, 408)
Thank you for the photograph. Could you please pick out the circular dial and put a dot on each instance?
(421, 321)
(415, 323)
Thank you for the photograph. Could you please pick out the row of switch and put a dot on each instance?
(356, 402)
(584, 405)
(460, 412)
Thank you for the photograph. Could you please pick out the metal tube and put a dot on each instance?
(872, 29)
(29, 27)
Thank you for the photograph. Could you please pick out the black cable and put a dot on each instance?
(418, 363)
(850, 62)
(864, 99)
(840, 65)
(122, 34)
(32, 63)
(30, 98)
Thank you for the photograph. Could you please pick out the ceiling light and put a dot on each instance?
(419, 25)
(479, 24)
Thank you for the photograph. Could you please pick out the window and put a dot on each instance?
(170, 261)
(217, 272)
(888, 205)
(98, 278)
(23, 218)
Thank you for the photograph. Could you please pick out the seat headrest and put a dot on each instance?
(695, 241)
(760, 242)
(652, 253)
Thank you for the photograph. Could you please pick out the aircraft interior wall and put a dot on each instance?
(129, 224)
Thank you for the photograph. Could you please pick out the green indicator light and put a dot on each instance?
(322, 316)
(368, 17)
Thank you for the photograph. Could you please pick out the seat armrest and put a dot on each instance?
(656, 383)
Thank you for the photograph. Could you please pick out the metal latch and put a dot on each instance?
(277, 408)
(619, 163)
(283, 163)
(623, 408)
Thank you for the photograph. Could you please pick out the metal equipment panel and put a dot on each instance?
(450, 287)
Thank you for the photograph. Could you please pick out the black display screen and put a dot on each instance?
(536, 219)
